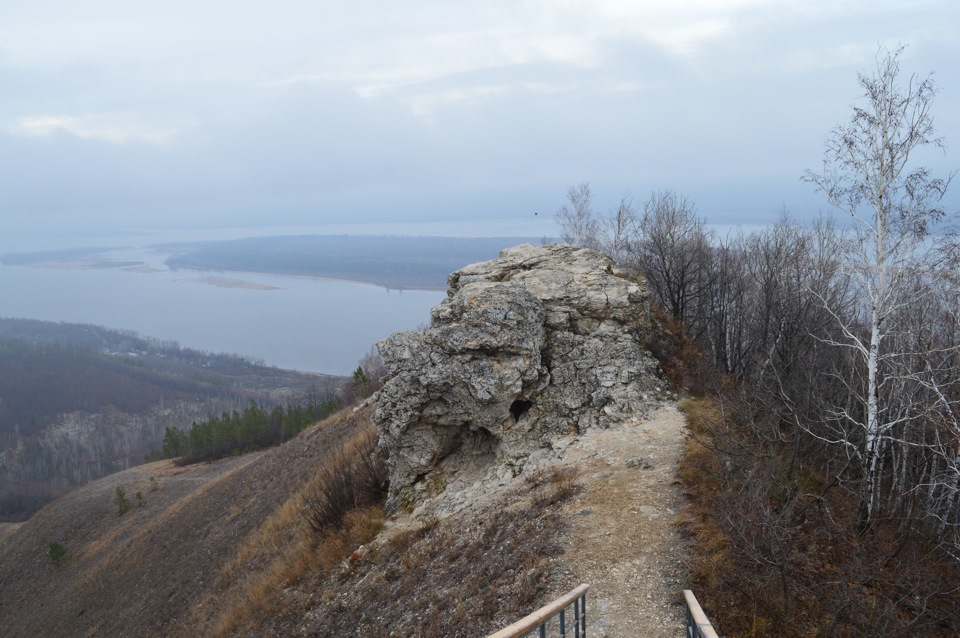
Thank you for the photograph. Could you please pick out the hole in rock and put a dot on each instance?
(520, 407)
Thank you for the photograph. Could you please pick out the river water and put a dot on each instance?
(296, 322)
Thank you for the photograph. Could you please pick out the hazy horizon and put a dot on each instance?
(52, 239)
(183, 115)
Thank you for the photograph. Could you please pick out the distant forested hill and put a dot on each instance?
(78, 402)
(395, 262)
(37, 382)
(219, 369)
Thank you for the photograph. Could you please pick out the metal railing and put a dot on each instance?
(538, 620)
(698, 625)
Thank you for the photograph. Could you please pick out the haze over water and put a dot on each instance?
(303, 323)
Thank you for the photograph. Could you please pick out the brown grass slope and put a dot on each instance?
(590, 516)
(229, 548)
(143, 573)
(464, 576)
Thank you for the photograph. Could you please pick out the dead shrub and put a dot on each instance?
(776, 549)
(682, 362)
(354, 477)
(553, 485)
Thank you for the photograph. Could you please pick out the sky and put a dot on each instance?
(120, 114)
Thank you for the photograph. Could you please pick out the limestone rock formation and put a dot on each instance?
(538, 344)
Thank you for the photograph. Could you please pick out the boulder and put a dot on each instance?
(540, 343)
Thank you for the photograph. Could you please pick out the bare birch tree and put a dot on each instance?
(619, 228)
(578, 225)
(868, 174)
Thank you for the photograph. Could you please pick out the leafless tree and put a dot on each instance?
(373, 367)
(868, 174)
(619, 227)
(578, 225)
(672, 249)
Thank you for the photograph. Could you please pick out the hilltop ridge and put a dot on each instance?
(548, 451)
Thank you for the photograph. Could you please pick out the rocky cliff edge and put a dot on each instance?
(527, 351)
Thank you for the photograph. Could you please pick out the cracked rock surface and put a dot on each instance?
(538, 344)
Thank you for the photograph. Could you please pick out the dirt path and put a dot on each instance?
(623, 540)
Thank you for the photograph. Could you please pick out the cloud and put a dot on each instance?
(305, 109)
(536, 80)
(89, 128)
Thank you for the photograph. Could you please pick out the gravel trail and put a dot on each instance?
(623, 539)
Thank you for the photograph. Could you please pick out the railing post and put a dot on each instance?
(538, 620)
(698, 625)
(583, 613)
(576, 618)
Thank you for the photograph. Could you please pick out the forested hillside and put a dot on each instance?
(38, 382)
(78, 402)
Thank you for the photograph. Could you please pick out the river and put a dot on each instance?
(295, 322)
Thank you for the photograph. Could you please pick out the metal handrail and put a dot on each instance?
(539, 618)
(698, 625)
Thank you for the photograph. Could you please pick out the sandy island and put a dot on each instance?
(224, 282)
(84, 264)
(143, 269)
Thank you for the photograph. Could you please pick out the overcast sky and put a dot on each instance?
(129, 114)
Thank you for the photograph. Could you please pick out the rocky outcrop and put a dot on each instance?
(538, 344)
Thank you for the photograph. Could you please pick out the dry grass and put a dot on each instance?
(319, 526)
(359, 527)
(304, 558)
(447, 579)
(700, 464)
(271, 539)
(553, 485)
(173, 566)
(453, 578)
(103, 542)
(354, 477)
(257, 595)
(401, 541)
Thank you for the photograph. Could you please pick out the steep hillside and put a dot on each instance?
(78, 402)
(142, 572)
(602, 512)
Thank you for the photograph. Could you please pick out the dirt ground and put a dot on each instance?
(623, 539)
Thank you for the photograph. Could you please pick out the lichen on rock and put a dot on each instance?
(540, 343)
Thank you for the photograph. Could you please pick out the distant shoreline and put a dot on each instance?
(290, 273)
(393, 263)
(389, 262)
